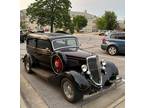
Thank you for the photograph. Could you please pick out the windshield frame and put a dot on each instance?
(77, 43)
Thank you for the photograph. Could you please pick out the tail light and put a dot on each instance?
(104, 40)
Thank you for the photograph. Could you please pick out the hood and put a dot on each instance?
(75, 58)
(76, 53)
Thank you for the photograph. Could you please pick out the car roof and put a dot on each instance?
(46, 36)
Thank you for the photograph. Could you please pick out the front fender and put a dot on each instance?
(111, 70)
(78, 80)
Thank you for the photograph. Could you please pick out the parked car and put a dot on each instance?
(114, 43)
(100, 33)
(22, 37)
(79, 72)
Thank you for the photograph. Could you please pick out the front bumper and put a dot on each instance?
(114, 83)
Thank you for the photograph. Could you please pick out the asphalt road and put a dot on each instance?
(51, 93)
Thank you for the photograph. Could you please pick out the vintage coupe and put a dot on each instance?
(79, 72)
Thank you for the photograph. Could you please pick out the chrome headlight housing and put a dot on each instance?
(84, 68)
(103, 68)
(103, 62)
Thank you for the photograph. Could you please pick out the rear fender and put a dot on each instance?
(26, 56)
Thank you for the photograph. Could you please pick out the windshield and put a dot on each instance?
(65, 43)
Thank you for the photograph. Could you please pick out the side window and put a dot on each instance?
(121, 36)
(31, 42)
(43, 44)
(118, 36)
(113, 36)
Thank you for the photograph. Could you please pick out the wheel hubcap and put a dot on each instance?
(112, 50)
(68, 91)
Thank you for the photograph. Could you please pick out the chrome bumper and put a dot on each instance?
(117, 81)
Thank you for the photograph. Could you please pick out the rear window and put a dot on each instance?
(118, 36)
(43, 44)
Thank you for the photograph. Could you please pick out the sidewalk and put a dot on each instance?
(120, 103)
(30, 98)
(22, 103)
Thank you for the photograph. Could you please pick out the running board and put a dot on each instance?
(43, 73)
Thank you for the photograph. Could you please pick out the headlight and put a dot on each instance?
(103, 63)
(84, 68)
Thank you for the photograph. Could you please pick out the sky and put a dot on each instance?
(95, 7)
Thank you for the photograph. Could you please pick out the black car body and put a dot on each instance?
(21, 37)
(78, 71)
(23, 34)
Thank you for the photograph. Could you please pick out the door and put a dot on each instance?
(43, 51)
(121, 42)
(31, 46)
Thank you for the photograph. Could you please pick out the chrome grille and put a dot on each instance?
(93, 68)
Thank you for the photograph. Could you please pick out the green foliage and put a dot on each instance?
(50, 12)
(79, 22)
(107, 22)
(71, 27)
(23, 25)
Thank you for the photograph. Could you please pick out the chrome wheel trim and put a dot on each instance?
(68, 90)
(112, 50)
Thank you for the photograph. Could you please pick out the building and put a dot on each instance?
(91, 25)
(121, 24)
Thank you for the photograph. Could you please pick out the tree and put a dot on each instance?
(23, 25)
(100, 22)
(50, 12)
(79, 22)
(107, 22)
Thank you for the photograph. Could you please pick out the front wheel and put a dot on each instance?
(70, 92)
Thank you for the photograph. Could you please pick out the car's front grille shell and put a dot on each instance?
(93, 68)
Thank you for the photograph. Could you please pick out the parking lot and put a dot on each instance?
(51, 94)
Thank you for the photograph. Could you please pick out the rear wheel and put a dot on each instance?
(28, 65)
(112, 50)
(70, 92)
